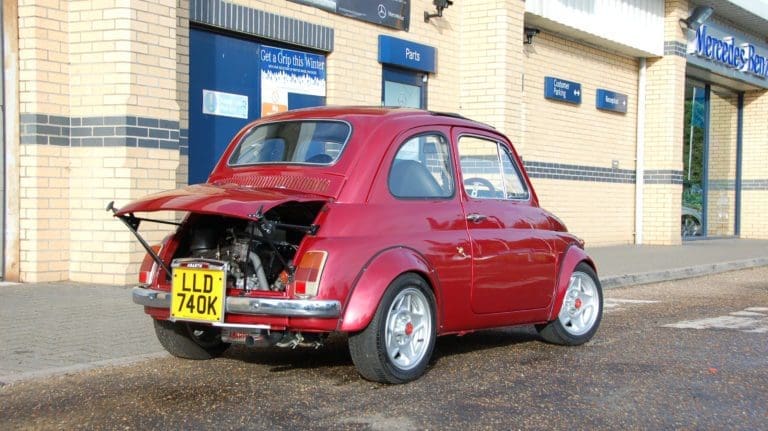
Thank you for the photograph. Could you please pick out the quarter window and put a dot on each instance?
(489, 171)
(422, 168)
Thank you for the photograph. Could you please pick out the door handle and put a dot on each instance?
(476, 218)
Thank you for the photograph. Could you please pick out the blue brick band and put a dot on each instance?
(754, 184)
(663, 177)
(673, 47)
(110, 131)
(561, 171)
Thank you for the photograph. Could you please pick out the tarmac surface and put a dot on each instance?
(49, 329)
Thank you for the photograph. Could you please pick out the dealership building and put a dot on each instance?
(638, 121)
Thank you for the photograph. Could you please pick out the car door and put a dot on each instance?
(513, 265)
(417, 206)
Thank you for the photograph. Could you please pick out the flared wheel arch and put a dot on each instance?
(372, 281)
(573, 256)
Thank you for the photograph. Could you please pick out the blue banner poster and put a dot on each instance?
(285, 71)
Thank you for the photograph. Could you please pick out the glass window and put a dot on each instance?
(489, 171)
(306, 142)
(422, 168)
(402, 95)
(403, 88)
(514, 187)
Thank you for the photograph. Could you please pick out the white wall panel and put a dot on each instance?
(635, 24)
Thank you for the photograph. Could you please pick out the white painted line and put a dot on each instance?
(758, 309)
(748, 320)
(748, 314)
(630, 301)
(616, 304)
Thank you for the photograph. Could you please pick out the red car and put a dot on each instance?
(393, 226)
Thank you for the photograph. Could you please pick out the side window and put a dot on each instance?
(514, 187)
(422, 168)
(489, 171)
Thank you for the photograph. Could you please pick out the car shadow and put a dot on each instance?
(453, 345)
(334, 354)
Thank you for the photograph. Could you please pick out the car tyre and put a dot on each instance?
(690, 226)
(398, 342)
(190, 340)
(581, 312)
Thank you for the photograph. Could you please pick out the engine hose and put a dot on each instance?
(260, 275)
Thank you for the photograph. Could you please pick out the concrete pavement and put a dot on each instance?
(48, 329)
(626, 265)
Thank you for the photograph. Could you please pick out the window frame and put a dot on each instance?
(500, 147)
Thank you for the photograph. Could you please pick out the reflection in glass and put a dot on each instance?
(692, 221)
(721, 166)
(401, 95)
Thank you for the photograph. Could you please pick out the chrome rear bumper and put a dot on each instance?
(256, 306)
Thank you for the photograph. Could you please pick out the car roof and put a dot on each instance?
(376, 113)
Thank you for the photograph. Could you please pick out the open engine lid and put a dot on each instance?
(227, 199)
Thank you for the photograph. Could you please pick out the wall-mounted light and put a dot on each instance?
(529, 33)
(439, 5)
(699, 15)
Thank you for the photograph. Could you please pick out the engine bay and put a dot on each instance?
(259, 252)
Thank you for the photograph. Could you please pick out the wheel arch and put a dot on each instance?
(374, 279)
(572, 257)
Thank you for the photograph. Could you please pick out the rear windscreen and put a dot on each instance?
(303, 142)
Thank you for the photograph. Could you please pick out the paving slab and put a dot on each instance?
(54, 328)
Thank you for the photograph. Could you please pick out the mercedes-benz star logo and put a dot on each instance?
(382, 11)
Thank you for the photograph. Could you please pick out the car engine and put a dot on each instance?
(256, 261)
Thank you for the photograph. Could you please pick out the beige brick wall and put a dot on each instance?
(665, 92)
(754, 200)
(43, 57)
(102, 250)
(599, 213)
(674, 11)
(490, 63)
(182, 61)
(578, 134)
(91, 59)
(44, 213)
(123, 58)
(558, 132)
(43, 192)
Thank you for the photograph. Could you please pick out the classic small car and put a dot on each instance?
(392, 226)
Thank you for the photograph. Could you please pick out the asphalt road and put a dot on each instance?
(689, 354)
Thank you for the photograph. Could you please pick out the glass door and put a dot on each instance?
(694, 144)
(710, 161)
(721, 162)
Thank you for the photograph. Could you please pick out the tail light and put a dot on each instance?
(308, 273)
(148, 267)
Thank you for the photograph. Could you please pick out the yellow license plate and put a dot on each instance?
(198, 294)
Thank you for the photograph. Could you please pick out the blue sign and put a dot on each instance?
(725, 49)
(410, 55)
(611, 101)
(562, 90)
